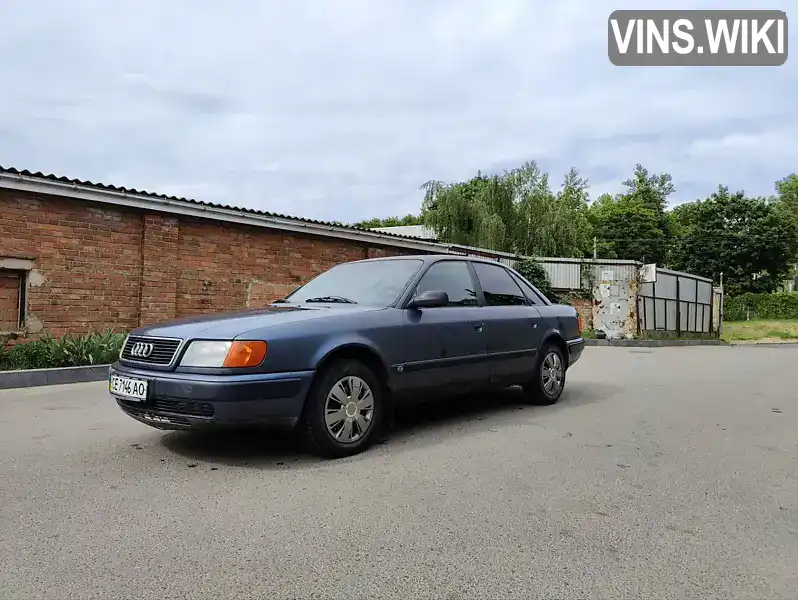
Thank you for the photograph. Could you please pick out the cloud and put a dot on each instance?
(340, 110)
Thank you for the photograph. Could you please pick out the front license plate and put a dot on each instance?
(132, 389)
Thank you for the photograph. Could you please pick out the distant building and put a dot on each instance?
(411, 231)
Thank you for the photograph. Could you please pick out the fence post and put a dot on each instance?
(679, 308)
(721, 310)
(711, 307)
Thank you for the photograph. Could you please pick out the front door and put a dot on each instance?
(513, 326)
(446, 346)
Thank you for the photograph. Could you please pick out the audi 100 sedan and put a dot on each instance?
(336, 356)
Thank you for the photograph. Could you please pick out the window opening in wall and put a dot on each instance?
(12, 300)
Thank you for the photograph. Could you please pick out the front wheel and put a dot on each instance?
(343, 410)
(548, 381)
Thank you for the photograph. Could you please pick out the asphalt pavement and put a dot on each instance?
(662, 473)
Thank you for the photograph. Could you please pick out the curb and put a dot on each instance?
(749, 344)
(654, 343)
(38, 377)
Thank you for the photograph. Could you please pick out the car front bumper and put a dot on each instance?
(575, 348)
(189, 401)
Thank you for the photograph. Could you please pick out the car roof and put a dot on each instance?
(433, 258)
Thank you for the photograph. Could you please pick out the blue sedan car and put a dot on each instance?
(336, 356)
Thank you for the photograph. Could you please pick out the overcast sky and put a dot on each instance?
(341, 109)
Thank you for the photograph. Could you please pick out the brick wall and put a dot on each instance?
(159, 268)
(98, 266)
(584, 307)
(87, 261)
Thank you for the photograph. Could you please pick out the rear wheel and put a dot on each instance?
(548, 381)
(343, 410)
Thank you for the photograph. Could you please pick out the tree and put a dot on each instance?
(390, 222)
(748, 239)
(787, 196)
(551, 224)
(651, 191)
(512, 212)
(635, 224)
(477, 212)
(787, 205)
(626, 228)
(534, 272)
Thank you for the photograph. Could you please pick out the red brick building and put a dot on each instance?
(76, 256)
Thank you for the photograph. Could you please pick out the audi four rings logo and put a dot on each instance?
(141, 349)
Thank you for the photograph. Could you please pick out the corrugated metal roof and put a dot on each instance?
(155, 195)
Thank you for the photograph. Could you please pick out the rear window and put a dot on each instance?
(534, 297)
(499, 288)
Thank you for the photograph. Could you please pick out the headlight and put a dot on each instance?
(205, 354)
(213, 354)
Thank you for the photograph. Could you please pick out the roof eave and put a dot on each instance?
(35, 185)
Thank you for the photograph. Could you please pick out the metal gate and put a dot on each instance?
(677, 302)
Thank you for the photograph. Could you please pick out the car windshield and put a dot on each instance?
(373, 283)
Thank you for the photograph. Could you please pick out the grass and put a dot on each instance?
(760, 329)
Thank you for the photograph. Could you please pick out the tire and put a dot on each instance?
(539, 391)
(346, 380)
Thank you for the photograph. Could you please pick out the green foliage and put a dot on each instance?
(651, 191)
(534, 272)
(626, 228)
(552, 224)
(783, 305)
(515, 211)
(38, 354)
(748, 239)
(787, 196)
(69, 351)
(635, 224)
(390, 222)
(753, 241)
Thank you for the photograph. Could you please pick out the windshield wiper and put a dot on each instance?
(281, 301)
(331, 299)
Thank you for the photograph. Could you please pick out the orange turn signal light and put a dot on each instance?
(245, 354)
(580, 323)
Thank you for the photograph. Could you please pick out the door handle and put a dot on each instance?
(478, 326)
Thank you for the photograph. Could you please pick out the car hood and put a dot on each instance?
(233, 324)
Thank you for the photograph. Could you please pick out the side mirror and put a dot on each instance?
(430, 299)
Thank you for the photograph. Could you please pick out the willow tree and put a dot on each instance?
(549, 223)
(512, 212)
(478, 212)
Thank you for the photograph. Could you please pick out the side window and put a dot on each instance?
(534, 297)
(453, 278)
(499, 287)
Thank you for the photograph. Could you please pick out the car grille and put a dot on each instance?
(138, 411)
(161, 350)
(183, 407)
(172, 406)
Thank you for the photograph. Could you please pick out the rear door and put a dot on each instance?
(512, 325)
(446, 345)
